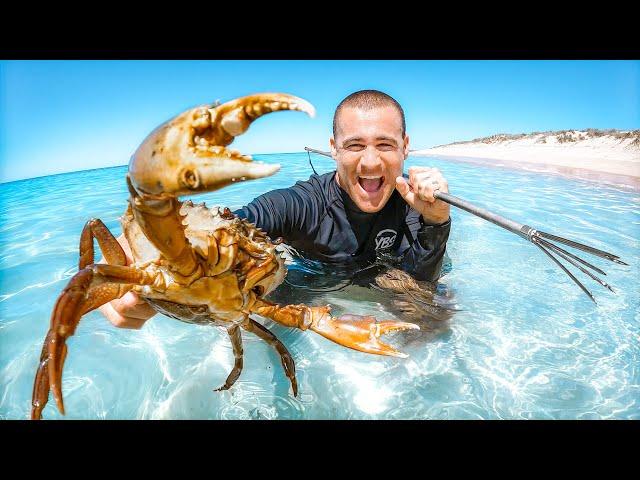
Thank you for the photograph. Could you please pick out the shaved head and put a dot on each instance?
(368, 100)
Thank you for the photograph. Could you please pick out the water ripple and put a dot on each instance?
(524, 342)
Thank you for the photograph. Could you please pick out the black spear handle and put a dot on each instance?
(525, 231)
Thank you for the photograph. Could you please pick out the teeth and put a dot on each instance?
(370, 177)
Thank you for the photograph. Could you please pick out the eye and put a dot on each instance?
(386, 146)
(355, 147)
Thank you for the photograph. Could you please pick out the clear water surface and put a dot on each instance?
(524, 343)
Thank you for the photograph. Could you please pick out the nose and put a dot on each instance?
(370, 160)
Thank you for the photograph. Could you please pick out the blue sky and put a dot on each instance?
(60, 116)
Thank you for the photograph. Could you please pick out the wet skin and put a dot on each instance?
(370, 150)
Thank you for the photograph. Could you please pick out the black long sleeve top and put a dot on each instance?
(319, 219)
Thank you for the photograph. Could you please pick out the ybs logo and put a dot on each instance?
(385, 238)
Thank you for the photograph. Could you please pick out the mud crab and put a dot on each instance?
(193, 263)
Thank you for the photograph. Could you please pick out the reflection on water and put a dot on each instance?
(504, 333)
(426, 304)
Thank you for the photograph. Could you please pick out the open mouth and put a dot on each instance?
(371, 184)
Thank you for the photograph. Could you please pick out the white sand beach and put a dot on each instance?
(611, 156)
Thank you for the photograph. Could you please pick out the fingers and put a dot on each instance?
(425, 181)
(130, 311)
(419, 192)
(405, 190)
(131, 305)
(126, 247)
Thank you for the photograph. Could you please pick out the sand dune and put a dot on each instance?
(611, 156)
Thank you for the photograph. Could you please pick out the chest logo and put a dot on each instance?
(385, 238)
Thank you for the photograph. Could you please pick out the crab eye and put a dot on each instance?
(258, 290)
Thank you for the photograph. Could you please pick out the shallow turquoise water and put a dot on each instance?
(525, 343)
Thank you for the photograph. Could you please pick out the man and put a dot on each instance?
(363, 208)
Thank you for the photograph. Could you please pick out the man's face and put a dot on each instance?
(369, 151)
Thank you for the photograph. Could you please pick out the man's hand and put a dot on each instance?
(418, 193)
(130, 311)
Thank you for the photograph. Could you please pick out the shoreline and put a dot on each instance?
(625, 174)
(606, 157)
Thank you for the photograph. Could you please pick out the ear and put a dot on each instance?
(405, 148)
(334, 148)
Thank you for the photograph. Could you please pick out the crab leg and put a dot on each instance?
(236, 342)
(353, 331)
(40, 395)
(113, 254)
(109, 246)
(285, 357)
(90, 288)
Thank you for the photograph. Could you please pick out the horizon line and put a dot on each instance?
(112, 166)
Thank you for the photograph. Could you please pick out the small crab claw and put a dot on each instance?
(358, 332)
(188, 154)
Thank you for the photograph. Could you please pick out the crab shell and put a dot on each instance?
(186, 155)
(199, 303)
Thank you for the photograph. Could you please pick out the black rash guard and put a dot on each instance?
(319, 219)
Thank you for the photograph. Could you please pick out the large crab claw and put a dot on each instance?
(358, 332)
(188, 154)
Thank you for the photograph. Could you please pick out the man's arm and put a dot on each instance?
(423, 258)
(428, 221)
(287, 212)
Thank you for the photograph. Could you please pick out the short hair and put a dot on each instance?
(368, 99)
